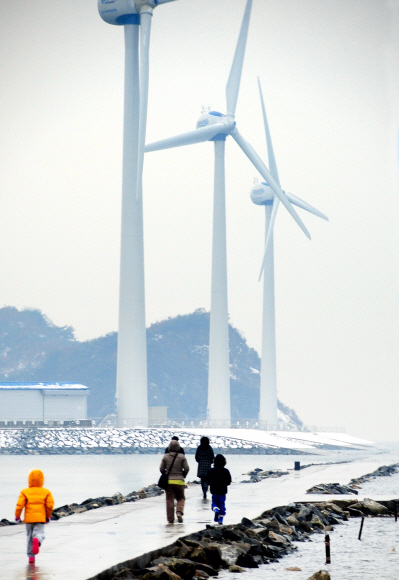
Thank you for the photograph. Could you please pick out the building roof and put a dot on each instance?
(44, 386)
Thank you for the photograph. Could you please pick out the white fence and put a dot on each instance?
(111, 421)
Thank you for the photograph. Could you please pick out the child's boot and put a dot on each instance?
(216, 510)
(220, 521)
(31, 559)
(35, 546)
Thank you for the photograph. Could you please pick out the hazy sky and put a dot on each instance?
(329, 73)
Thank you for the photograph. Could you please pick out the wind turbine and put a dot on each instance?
(131, 382)
(215, 126)
(262, 194)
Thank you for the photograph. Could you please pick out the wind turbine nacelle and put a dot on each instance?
(262, 194)
(119, 12)
(122, 12)
(209, 118)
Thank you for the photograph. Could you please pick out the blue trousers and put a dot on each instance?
(218, 501)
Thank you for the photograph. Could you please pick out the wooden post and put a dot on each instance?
(396, 510)
(327, 543)
(361, 529)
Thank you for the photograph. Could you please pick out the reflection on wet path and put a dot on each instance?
(34, 572)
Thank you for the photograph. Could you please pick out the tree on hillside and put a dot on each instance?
(32, 348)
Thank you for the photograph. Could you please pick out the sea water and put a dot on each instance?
(74, 478)
(376, 556)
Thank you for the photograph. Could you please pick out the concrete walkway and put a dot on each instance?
(80, 546)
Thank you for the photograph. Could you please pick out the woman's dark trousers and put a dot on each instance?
(204, 486)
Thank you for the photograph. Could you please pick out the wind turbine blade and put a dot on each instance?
(145, 34)
(197, 136)
(272, 160)
(233, 84)
(263, 170)
(276, 203)
(300, 203)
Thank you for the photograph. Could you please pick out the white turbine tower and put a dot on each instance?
(262, 194)
(214, 126)
(131, 382)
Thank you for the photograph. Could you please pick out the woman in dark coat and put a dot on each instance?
(204, 457)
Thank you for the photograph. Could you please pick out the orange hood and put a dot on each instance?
(36, 478)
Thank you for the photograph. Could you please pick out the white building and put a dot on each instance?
(43, 401)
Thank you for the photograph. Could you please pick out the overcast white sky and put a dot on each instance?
(329, 70)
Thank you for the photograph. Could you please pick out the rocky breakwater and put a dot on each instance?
(249, 544)
(78, 441)
(354, 484)
(383, 471)
(332, 489)
(98, 502)
(258, 474)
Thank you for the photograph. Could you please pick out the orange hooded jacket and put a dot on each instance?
(37, 501)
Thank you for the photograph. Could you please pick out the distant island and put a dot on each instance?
(32, 348)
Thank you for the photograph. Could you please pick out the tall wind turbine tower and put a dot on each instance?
(131, 382)
(214, 126)
(262, 194)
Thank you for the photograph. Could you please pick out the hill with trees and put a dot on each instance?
(32, 348)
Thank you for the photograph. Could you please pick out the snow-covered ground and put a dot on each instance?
(99, 440)
(285, 439)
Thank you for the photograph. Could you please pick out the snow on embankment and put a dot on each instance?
(289, 439)
(97, 440)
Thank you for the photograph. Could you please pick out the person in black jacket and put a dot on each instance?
(204, 456)
(219, 478)
(175, 438)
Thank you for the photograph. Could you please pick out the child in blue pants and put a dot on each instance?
(219, 478)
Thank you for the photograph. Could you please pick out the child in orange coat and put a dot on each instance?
(38, 503)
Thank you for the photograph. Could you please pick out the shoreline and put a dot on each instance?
(248, 544)
(252, 543)
(99, 539)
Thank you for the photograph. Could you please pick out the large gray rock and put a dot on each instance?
(230, 553)
(233, 535)
(180, 566)
(277, 540)
(236, 569)
(344, 503)
(257, 534)
(335, 508)
(213, 555)
(316, 522)
(198, 555)
(205, 568)
(164, 573)
(247, 561)
(373, 507)
(320, 575)
(305, 514)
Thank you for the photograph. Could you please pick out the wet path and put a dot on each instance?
(80, 546)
